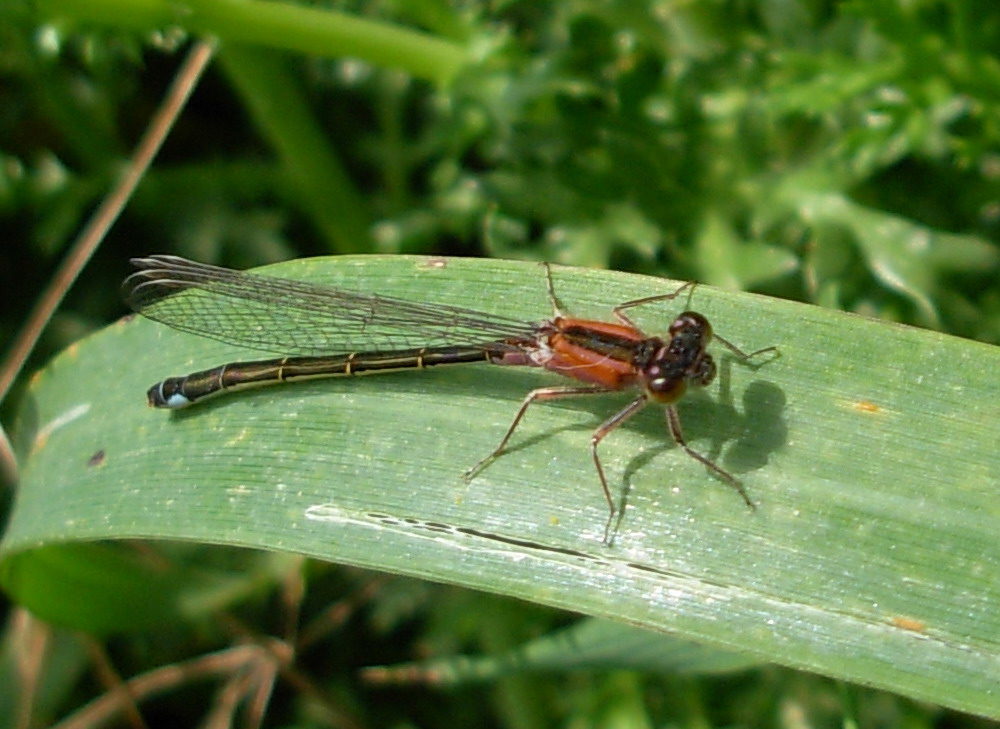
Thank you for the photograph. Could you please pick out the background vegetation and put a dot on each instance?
(845, 154)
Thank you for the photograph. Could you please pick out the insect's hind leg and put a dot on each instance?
(542, 393)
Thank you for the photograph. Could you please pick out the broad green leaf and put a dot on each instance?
(871, 450)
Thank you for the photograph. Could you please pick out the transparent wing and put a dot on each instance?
(284, 316)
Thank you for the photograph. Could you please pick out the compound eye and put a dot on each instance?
(692, 322)
(666, 390)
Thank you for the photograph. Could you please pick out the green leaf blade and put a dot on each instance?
(870, 449)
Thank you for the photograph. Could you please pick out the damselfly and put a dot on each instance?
(331, 332)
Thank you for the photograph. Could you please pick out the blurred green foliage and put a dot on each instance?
(843, 153)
